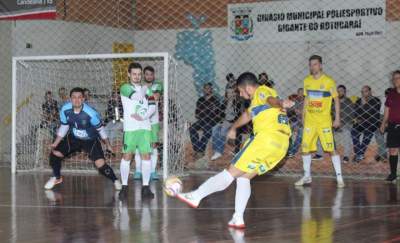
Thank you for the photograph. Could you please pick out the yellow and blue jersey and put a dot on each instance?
(265, 117)
(319, 94)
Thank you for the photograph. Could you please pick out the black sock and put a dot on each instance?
(108, 172)
(55, 163)
(393, 164)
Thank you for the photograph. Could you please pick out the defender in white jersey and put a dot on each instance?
(139, 105)
(156, 88)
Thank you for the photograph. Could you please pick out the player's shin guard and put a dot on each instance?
(243, 192)
(219, 182)
(108, 172)
(55, 163)
(146, 172)
(125, 168)
(154, 160)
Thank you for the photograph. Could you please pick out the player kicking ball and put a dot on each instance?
(139, 105)
(80, 129)
(260, 153)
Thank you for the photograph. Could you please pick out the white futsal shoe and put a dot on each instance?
(52, 182)
(303, 181)
(189, 199)
(117, 185)
(340, 182)
(236, 223)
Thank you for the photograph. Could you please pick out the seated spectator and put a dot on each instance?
(208, 115)
(264, 80)
(49, 114)
(296, 121)
(343, 133)
(231, 111)
(62, 97)
(366, 121)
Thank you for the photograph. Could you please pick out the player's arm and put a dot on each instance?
(96, 122)
(150, 111)
(336, 122)
(278, 103)
(241, 121)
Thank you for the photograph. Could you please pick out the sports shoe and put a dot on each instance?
(154, 176)
(340, 182)
(303, 181)
(147, 193)
(189, 199)
(317, 157)
(123, 194)
(137, 176)
(216, 156)
(52, 182)
(346, 159)
(391, 178)
(117, 185)
(236, 223)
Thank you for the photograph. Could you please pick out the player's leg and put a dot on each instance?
(155, 128)
(309, 144)
(325, 135)
(219, 182)
(125, 168)
(144, 146)
(393, 144)
(242, 195)
(138, 166)
(64, 148)
(96, 154)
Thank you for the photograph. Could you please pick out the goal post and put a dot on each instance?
(102, 74)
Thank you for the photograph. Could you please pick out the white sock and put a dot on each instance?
(146, 171)
(216, 183)
(125, 168)
(307, 165)
(138, 162)
(154, 160)
(243, 192)
(337, 165)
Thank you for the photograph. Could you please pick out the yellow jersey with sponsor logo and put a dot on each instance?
(319, 94)
(266, 118)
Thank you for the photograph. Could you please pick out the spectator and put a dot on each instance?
(49, 113)
(113, 115)
(380, 137)
(366, 122)
(207, 114)
(296, 122)
(231, 111)
(343, 133)
(264, 80)
(63, 97)
(391, 122)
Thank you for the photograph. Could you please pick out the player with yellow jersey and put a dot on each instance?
(319, 91)
(260, 153)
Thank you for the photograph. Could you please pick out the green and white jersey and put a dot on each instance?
(135, 101)
(156, 87)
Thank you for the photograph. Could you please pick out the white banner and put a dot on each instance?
(306, 20)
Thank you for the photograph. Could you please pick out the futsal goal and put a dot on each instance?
(38, 81)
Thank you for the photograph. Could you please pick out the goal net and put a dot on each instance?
(41, 84)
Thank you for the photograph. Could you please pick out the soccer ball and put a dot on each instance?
(172, 186)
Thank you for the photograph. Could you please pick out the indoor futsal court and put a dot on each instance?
(187, 121)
